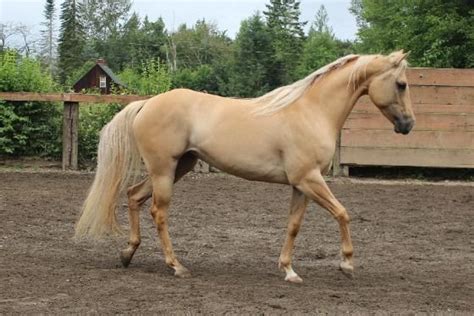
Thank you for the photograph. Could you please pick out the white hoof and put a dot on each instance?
(182, 272)
(347, 269)
(293, 279)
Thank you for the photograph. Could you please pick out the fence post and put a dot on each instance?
(70, 135)
(337, 168)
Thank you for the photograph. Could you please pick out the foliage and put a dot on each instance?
(151, 78)
(201, 78)
(27, 128)
(92, 118)
(250, 68)
(438, 33)
(203, 44)
(321, 47)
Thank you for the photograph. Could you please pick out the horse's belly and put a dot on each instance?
(246, 165)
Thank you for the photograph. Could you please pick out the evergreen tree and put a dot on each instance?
(321, 22)
(321, 47)
(153, 40)
(71, 39)
(48, 40)
(252, 52)
(287, 37)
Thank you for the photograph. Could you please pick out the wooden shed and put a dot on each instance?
(100, 77)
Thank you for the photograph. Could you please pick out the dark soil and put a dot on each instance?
(414, 251)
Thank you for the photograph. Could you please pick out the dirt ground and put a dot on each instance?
(414, 250)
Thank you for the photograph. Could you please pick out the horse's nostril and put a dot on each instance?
(403, 125)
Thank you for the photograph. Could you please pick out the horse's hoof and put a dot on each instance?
(294, 279)
(125, 258)
(182, 272)
(347, 269)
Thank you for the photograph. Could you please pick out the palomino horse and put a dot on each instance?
(286, 136)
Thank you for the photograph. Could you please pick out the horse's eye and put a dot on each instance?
(401, 85)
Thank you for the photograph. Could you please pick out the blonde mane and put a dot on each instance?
(280, 98)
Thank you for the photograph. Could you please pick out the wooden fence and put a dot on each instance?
(443, 101)
(70, 115)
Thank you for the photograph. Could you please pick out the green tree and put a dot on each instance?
(71, 39)
(203, 44)
(199, 57)
(104, 18)
(48, 38)
(283, 21)
(104, 22)
(152, 41)
(438, 33)
(321, 46)
(253, 50)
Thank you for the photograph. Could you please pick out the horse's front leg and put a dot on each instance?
(297, 209)
(314, 186)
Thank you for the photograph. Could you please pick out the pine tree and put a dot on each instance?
(71, 39)
(252, 57)
(321, 22)
(321, 47)
(48, 40)
(283, 21)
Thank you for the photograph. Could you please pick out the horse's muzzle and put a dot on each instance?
(403, 125)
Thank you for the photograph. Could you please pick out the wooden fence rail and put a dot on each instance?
(70, 115)
(443, 101)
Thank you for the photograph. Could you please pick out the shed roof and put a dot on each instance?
(101, 64)
(111, 74)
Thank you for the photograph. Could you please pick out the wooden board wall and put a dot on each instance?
(443, 101)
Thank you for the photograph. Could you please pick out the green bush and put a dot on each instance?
(92, 117)
(200, 79)
(151, 78)
(27, 128)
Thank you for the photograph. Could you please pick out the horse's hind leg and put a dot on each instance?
(297, 209)
(162, 191)
(137, 195)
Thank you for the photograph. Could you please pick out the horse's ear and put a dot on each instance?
(397, 57)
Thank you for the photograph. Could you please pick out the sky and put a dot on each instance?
(227, 14)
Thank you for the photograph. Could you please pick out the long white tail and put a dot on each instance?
(118, 160)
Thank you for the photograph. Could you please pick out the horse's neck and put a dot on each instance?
(336, 96)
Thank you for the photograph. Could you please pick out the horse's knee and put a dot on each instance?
(342, 216)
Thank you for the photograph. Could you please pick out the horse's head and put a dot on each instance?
(388, 90)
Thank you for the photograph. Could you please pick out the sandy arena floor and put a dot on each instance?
(414, 250)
